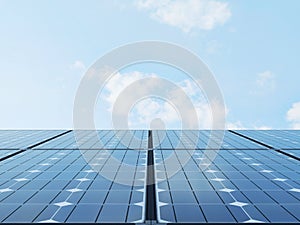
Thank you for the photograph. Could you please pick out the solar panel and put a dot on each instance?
(110, 139)
(59, 185)
(280, 139)
(16, 139)
(295, 152)
(5, 152)
(71, 177)
(241, 185)
(187, 139)
(12, 141)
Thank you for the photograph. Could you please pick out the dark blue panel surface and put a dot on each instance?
(103, 139)
(237, 186)
(59, 185)
(17, 139)
(56, 182)
(280, 139)
(191, 139)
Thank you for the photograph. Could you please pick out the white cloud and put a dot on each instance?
(266, 80)
(213, 47)
(238, 125)
(187, 14)
(234, 125)
(78, 65)
(117, 83)
(151, 108)
(265, 83)
(262, 127)
(293, 115)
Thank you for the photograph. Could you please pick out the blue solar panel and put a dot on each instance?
(5, 152)
(58, 185)
(199, 139)
(241, 185)
(245, 181)
(295, 152)
(135, 139)
(279, 139)
(16, 139)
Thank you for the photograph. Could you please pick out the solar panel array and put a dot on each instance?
(241, 185)
(58, 185)
(13, 140)
(83, 177)
(286, 140)
(104, 139)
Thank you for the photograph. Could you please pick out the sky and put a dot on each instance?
(252, 48)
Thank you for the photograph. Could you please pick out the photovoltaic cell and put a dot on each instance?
(59, 185)
(294, 152)
(5, 152)
(240, 185)
(17, 139)
(11, 141)
(189, 139)
(110, 139)
(279, 139)
(57, 182)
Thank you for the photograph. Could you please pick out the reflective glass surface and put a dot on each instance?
(105, 182)
(280, 139)
(238, 186)
(16, 139)
(59, 185)
(189, 139)
(103, 139)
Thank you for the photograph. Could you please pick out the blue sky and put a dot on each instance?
(252, 47)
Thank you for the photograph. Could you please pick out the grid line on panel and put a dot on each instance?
(90, 139)
(131, 196)
(288, 154)
(241, 185)
(278, 139)
(105, 198)
(251, 139)
(268, 146)
(63, 202)
(49, 139)
(25, 179)
(223, 188)
(110, 140)
(255, 211)
(7, 153)
(275, 178)
(192, 139)
(71, 193)
(262, 169)
(17, 139)
(11, 155)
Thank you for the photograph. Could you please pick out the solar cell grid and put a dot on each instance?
(59, 186)
(295, 152)
(245, 186)
(110, 139)
(57, 182)
(190, 139)
(279, 139)
(16, 139)
(5, 152)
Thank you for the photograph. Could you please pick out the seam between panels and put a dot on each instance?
(265, 145)
(21, 150)
(151, 203)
